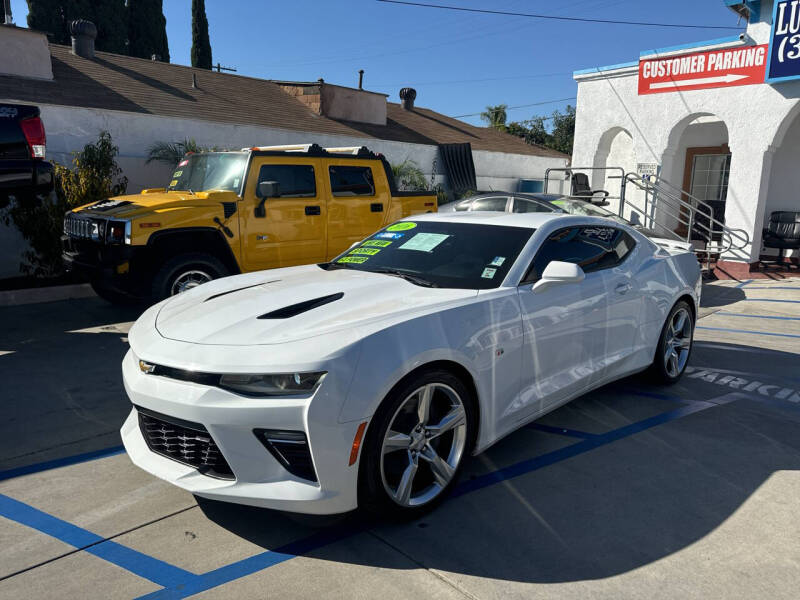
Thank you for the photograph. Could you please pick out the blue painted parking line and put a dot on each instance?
(743, 283)
(732, 314)
(265, 560)
(61, 462)
(789, 335)
(768, 300)
(776, 287)
(152, 569)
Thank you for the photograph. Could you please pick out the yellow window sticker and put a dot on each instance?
(369, 251)
(378, 243)
(488, 273)
(173, 183)
(353, 259)
(424, 242)
(402, 226)
(177, 173)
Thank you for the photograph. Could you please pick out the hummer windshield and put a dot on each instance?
(209, 171)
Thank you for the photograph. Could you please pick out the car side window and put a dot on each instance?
(522, 205)
(593, 248)
(294, 181)
(351, 181)
(495, 203)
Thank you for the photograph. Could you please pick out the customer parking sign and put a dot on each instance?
(784, 45)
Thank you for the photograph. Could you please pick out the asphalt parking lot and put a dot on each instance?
(689, 491)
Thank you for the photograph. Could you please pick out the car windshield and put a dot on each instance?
(209, 171)
(438, 253)
(587, 209)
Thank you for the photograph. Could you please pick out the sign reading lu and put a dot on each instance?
(727, 67)
(784, 45)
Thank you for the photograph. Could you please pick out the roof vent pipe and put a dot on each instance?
(361, 79)
(7, 19)
(408, 95)
(84, 33)
(194, 80)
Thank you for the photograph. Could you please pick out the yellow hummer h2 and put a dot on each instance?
(232, 212)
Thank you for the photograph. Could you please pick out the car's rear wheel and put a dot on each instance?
(416, 444)
(186, 271)
(675, 344)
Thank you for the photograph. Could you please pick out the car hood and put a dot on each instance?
(284, 305)
(134, 205)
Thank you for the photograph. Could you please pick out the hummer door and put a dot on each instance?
(357, 206)
(291, 228)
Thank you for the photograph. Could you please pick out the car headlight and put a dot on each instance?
(283, 384)
(118, 232)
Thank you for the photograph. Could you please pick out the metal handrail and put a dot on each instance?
(570, 170)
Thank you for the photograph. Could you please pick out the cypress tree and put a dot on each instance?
(54, 17)
(201, 45)
(147, 29)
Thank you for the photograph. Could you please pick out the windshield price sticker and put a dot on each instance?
(488, 273)
(402, 226)
(424, 242)
(369, 251)
(183, 163)
(378, 243)
(173, 183)
(353, 259)
(498, 261)
(177, 174)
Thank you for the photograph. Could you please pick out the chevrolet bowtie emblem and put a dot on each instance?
(146, 367)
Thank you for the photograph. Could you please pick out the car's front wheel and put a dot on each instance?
(416, 444)
(675, 344)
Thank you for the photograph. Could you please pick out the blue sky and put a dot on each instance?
(440, 53)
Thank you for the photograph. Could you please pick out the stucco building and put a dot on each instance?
(718, 119)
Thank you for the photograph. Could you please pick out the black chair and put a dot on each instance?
(581, 189)
(782, 232)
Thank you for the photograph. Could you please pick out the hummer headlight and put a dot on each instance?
(118, 232)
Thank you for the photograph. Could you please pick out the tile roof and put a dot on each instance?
(115, 82)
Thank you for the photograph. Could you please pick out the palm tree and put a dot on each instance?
(496, 116)
(172, 152)
(409, 177)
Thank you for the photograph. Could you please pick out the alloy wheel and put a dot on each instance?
(423, 445)
(678, 342)
(188, 280)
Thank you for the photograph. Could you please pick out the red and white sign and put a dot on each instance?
(701, 70)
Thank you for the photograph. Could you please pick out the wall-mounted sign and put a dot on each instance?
(647, 170)
(727, 67)
(784, 43)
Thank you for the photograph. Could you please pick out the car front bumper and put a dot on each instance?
(259, 478)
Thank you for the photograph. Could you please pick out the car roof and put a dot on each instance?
(481, 217)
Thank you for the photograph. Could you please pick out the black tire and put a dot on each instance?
(372, 493)
(113, 295)
(180, 265)
(659, 369)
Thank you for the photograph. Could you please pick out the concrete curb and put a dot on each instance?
(45, 294)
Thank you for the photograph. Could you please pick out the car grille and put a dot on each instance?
(82, 228)
(185, 442)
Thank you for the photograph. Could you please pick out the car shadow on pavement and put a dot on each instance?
(62, 393)
(597, 513)
(715, 296)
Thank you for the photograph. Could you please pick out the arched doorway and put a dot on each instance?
(783, 193)
(698, 161)
(615, 149)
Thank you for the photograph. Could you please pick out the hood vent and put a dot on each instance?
(295, 309)
(247, 287)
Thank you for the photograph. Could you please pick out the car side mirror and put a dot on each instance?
(264, 190)
(558, 272)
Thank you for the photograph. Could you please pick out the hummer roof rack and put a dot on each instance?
(317, 150)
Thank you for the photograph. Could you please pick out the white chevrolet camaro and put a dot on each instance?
(366, 381)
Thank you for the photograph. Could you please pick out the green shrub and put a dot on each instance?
(95, 176)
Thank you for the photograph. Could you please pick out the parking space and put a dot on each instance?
(633, 490)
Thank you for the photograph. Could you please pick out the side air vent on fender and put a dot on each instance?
(301, 307)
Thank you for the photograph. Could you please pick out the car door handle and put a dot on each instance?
(312, 210)
(376, 207)
(623, 288)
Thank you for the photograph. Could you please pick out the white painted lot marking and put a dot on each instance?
(723, 377)
(112, 328)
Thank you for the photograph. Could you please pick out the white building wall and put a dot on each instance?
(69, 129)
(753, 116)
